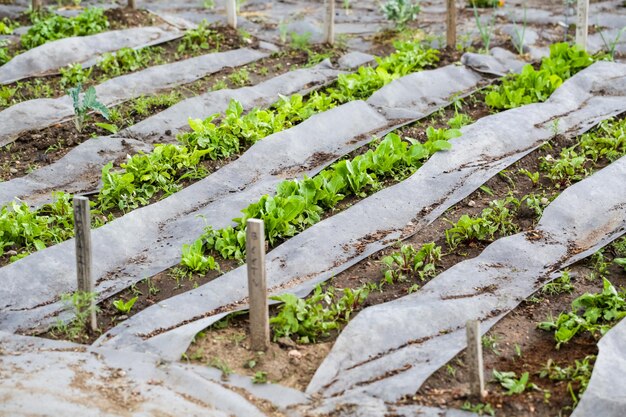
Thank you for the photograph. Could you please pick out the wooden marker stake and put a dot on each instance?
(582, 23)
(82, 230)
(131, 4)
(36, 4)
(231, 12)
(257, 286)
(451, 24)
(329, 25)
(475, 359)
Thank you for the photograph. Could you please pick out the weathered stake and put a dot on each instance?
(451, 24)
(475, 359)
(582, 23)
(231, 12)
(131, 4)
(257, 285)
(82, 230)
(329, 25)
(36, 4)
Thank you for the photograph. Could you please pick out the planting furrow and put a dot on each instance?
(80, 169)
(50, 57)
(604, 395)
(389, 365)
(41, 113)
(128, 250)
(484, 149)
(106, 383)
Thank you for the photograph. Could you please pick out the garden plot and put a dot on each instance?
(295, 153)
(151, 232)
(454, 173)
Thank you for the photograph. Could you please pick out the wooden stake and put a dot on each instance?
(82, 230)
(329, 25)
(131, 4)
(451, 24)
(582, 23)
(257, 286)
(36, 4)
(475, 359)
(231, 12)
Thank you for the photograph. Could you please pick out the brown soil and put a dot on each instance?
(285, 362)
(36, 149)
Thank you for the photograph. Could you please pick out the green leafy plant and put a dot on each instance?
(82, 304)
(567, 168)
(74, 74)
(594, 313)
(5, 56)
(240, 78)
(315, 316)
(480, 408)
(401, 12)
(560, 285)
(411, 262)
(577, 375)
(200, 38)
(88, 103)
(532, 85)
(7, 26)
(125, 60)
(259, 377)
(497, 218)
(194, 259)
(514, 385)
(124, 307)
(53, 27)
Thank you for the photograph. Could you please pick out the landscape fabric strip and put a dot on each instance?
(48, 58)
(163, 127)
(148, 240)
(44, 112)
(80, 169)
(370, 356)
(605, 394)
(68, 379)
(397, 212)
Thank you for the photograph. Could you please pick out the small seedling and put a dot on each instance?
(560, 285)
(88, 103)
(124, 307)
(260, 377)
(509, 381)
(480, 408)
